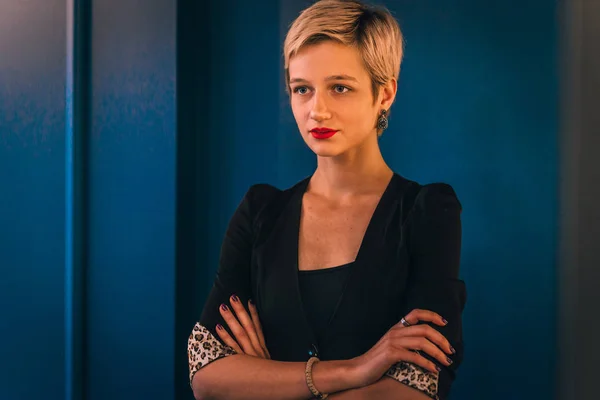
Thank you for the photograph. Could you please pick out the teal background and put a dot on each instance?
(182, 117)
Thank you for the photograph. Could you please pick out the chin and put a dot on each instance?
(325, 149)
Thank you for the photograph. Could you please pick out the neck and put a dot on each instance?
(360, 170)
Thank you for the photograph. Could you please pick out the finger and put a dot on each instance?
(417, 359)
(423, 344)
(238, 331)
(247, 324)
(257, 326)
(228, 340)
(430, 333)
(418, 315)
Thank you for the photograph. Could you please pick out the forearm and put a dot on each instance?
(242, 377)
(385, 389)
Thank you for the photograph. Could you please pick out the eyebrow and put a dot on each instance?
(329, 78)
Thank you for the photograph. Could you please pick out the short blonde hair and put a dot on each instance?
(372, 30)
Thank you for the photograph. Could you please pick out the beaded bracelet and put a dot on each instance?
(309, 381)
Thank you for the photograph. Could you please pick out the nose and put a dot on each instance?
(319, 110)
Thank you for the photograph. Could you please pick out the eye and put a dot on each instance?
(341, 89)
(300, 90)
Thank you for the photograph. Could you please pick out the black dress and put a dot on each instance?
(321, 293)
(409, 258)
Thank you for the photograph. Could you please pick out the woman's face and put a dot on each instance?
(330, 88)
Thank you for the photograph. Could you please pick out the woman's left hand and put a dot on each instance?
(246, 329)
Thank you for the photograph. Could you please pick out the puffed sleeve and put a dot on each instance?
(434, 243)
(232, 277)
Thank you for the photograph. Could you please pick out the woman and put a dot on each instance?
(349, 274)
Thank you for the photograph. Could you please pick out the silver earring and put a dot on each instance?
(382, 121)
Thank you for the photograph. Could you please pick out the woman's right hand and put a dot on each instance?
(404, 343)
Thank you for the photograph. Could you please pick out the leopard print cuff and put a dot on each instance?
(204, 348)
(415, 377)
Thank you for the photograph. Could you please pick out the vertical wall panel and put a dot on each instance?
(477, 107)
(192, 113)
(132, 201)
(77, 103)
(580, 214)
(242, 118)
(32, 197)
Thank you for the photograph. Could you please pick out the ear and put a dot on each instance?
(387, 94)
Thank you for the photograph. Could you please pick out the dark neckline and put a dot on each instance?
(325, 270)
(379, 208)
(369, 244)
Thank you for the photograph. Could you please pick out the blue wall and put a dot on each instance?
(32, 198)
(131, 270)
(122, 165)
(477, 107)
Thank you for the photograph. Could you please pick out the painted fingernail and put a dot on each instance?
(438, 369)
(220, 327)
(449, 360)
(224, 307)
(444, 321)
(235, 298)
(452, 350)
(251, 301)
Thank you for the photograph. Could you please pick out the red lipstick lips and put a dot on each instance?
(322, 133)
